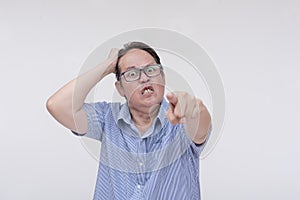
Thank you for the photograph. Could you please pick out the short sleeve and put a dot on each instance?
(198, 148)
(96, 119)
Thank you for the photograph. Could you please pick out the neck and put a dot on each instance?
(143, 118)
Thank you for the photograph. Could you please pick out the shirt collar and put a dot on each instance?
(125, 116)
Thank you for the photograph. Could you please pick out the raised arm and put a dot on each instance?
(66, 104)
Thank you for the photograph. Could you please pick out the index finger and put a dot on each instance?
(172, 98)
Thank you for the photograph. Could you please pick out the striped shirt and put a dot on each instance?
(161, 164)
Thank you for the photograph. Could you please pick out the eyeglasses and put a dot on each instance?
(134, 74)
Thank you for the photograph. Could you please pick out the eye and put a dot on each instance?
(151, 69)
(131, 74)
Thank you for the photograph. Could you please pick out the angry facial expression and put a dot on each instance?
(145, 92)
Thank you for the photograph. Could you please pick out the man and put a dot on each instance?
(150, 148)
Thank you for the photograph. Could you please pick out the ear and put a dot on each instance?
(163, 77)
(120, 88)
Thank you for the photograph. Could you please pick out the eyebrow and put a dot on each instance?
(131, 67)
(135, 67)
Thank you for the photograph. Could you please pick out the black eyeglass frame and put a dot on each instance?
(140, 72)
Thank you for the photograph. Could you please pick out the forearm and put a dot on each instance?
(197, 126)
(203, 127)
(81, 86)
(66, 104)
(190, 111)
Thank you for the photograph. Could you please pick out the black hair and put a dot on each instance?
(135, 45)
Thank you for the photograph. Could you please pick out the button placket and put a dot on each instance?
(140, 164)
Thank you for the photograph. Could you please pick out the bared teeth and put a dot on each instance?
(147, 91)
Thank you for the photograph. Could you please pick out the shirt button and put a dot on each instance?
(141, 164)
(139, 186)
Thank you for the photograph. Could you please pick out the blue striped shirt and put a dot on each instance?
(161, 164)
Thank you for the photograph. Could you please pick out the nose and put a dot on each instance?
(144, 78)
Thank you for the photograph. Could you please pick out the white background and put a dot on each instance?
(255, 45)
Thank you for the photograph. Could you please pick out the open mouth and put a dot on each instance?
(147, 90)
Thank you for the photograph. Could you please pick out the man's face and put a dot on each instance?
(145, 92)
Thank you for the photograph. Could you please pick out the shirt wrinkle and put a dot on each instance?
(164, 164)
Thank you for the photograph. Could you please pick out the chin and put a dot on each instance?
(146, 102)
(153, 101)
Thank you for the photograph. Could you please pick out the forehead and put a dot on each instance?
(136, 58)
